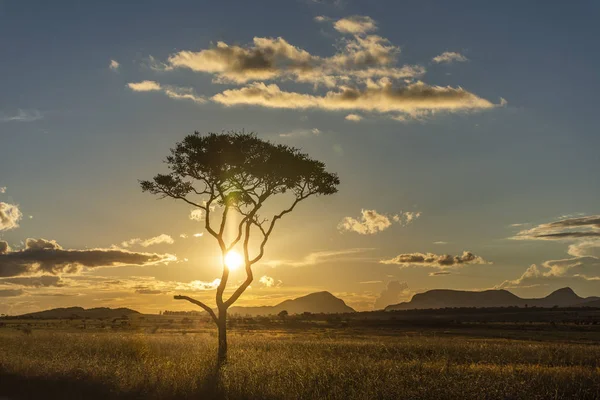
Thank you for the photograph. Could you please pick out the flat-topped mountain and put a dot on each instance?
(439, 298)
(319, 302)
(79, 312)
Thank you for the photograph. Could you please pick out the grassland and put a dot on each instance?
(176, 361)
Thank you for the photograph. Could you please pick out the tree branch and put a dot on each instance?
(200, 304)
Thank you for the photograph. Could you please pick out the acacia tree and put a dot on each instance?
(236, 173)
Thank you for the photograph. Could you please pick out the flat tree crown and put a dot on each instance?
(239, 169)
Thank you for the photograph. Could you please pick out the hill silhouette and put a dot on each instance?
(444, 298)
(79, 312)
(319, 302)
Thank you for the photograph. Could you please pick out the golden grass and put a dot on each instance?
(293, 366)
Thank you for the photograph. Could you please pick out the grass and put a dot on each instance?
(325, 364)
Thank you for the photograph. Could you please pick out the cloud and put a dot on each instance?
(2, 189)
(394, 293)
(114, 65)
(267, 281)
(174, 92)
(11, 292)
(439, 273)
(47, 256)
(362, 75)
(355, 24)
(379, 97)
(371, 222)
(585, 249)
(22, 116)
(196, 215)
(148, 291)
(319, 257)
(4, 247)
(266, 58)
(440, 242)
(160, 239)
(353, 117)
(302, 132)
(406, 218)
(434, 260)
(449, 57)
(144, 86)
(10, 215)
(35, 281)
(576, 228)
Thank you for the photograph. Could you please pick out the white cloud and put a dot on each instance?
(22, 116)
(144, 86)
(363, 75)
(114, 65)
(2, 189)
(268, 281)
(353, 117)
(10, 215)
(197, 215)
(302, 132)
(355, 24)
(371, 222)
(382, 97)
(449, 57)
(160, 239)
(174, 92)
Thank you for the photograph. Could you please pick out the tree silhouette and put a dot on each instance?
(237, 173)
(283, 314)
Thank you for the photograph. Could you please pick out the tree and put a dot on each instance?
(237, 173)
(283, 314)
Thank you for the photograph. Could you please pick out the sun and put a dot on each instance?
(233, 260)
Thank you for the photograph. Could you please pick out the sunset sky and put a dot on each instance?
(463, 133)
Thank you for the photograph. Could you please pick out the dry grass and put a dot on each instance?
(293, 366)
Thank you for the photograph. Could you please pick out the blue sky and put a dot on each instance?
(75, 138)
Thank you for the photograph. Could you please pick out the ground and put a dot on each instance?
(172, 357)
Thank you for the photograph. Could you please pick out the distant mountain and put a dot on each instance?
(78, 312)
(564, 297)
(320, 302)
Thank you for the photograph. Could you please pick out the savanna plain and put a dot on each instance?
(173, 357)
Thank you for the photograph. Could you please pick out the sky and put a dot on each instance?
(464, 135)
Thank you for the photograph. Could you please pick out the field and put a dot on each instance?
(172, 357)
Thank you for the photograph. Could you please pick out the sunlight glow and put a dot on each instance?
(233, 260)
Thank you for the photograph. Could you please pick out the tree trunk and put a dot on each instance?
(222, 325)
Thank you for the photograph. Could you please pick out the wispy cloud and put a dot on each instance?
(174, 92)
(449, 57)
(21, 116)
(160, 239)
(577, 228)
(302, 133)
(319, 257)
